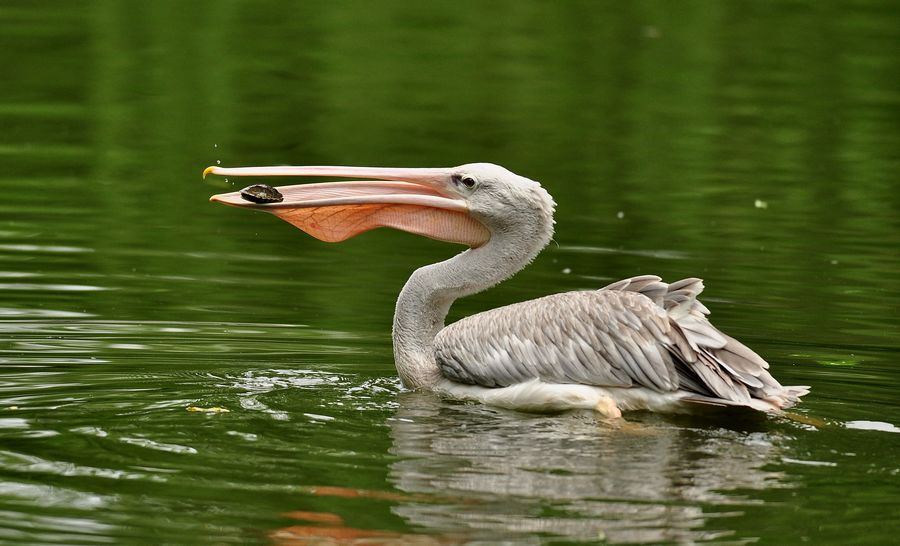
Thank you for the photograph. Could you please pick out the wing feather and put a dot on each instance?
(605, 338)
(635, 332)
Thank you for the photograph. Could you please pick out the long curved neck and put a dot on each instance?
(428, 294)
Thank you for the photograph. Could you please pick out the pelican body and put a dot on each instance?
(639, 343)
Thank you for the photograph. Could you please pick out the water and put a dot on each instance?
(753, 144)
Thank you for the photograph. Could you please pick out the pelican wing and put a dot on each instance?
(604, 337)
(636, 332)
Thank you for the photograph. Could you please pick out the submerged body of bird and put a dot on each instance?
(636, 344)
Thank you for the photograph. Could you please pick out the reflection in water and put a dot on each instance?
(571, 476)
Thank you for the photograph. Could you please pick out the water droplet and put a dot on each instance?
(218, 162)
(760, 204)
(620, 214)
(567, 270)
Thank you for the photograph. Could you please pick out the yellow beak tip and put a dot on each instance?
(208, 170)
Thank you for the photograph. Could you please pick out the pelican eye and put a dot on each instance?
(467, 181)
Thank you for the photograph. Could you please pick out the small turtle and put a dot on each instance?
(261, 193)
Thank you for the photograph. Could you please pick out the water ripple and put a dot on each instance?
(661, 254)
(45, 248)
(159, 446)
(20, 313)
(52, 287)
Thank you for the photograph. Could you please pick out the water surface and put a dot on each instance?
(753, 144)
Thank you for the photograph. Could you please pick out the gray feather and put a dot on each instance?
(635, 332)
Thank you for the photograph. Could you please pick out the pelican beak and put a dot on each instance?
(420, 201)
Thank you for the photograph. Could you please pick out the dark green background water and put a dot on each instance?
(754, 144)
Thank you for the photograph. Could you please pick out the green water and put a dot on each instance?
(754, 144)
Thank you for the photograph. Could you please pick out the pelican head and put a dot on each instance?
(501, 199)
(468, 204)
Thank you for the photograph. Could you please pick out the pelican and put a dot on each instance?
(637, 344)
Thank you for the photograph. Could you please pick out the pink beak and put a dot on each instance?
(421, 201)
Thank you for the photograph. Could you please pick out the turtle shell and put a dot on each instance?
(261, 193)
